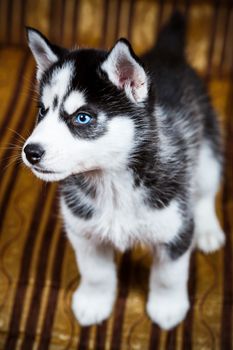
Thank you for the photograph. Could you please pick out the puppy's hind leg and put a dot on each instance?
(208, 233)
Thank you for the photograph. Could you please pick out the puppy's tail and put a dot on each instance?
(171, 39)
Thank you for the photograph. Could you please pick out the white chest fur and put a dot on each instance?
(122, 217)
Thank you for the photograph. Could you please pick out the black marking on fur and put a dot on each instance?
(182, 242)
(55, 102)
(83, 183)
(74, 203)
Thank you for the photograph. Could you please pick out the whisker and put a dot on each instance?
(11, 147)
(14, 161)
(13, 156)
(17, 143)
(28, 132)
(16, 132)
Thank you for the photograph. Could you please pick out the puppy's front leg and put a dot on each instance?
(93, 300)
(168, 297)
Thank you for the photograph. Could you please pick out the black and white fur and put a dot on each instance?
(145, 170)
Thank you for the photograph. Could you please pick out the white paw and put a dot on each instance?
(167, 312)
(210, 240)
(92, 305)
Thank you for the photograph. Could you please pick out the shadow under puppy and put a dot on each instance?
(136, 146)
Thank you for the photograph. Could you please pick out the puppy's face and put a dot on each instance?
(87, 107)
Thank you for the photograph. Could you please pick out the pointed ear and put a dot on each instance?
(43, 51)
(126, 72)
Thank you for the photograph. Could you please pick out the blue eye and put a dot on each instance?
(82, 119)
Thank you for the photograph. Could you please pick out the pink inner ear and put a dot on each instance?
(41, 52)
(125, 72)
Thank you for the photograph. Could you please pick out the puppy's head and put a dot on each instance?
(89, 102)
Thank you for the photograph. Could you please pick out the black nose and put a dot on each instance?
(34, 152)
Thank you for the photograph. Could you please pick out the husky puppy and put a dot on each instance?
(136, 146)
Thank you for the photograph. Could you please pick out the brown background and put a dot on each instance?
(37, 267)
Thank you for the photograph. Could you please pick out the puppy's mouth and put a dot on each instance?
(49, 175)
(43, 171)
